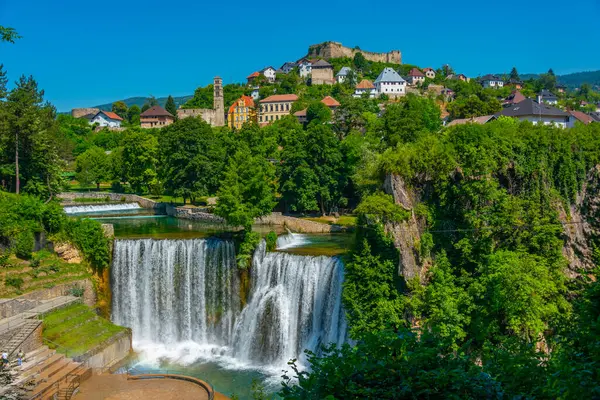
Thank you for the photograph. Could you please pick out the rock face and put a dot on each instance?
(407, 234)
(582, 225)
(68, 252)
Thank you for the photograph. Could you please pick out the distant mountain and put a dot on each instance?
(140, 101)
(573, 80)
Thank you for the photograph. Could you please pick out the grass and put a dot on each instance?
(344, 220)
(76, 329)
(51, 271)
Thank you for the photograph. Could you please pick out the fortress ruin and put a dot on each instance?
(214, 116)
(328, 50)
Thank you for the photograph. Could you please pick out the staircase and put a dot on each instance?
(46, 374)
(25, 330)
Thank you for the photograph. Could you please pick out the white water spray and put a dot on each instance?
(101, 208)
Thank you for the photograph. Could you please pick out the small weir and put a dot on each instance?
(100, 208)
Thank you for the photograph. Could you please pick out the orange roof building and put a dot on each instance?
(275, 107)
(252, 77)
(241, 112)
(330, 102)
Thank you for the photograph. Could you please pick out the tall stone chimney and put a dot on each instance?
(219, 103)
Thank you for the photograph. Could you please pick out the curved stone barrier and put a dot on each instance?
(205, 385)
(114, 197)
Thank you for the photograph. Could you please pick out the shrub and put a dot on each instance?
(76, 291)
(271, 240)
(24, 244)
(247, 247)
(14, 281)
(35, 262)
(53, 217)
(88, 236)
(4, 257)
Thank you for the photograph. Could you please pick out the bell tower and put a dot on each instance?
(219, 103)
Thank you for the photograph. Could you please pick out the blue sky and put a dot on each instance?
(87, 53)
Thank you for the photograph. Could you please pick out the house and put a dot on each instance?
(415, 76)
(448, 93)
(269, 73)
(390, 83)
(491, 81)
(473, 120)
(340, 77)
(514, 83)
(595, 116)
(365, 86)
(459, 77)
(288, 67)
(322, 73)
(514, 98)
(581, 117)
(106, 118)
(436, 90)
(429, 73)
(560, 88)
(240, 112)
(252, 77)
(304, 67)
(275, 107)
(255, 94)
(537, 113)
(331, 103)
(547, 97)
(156, 117)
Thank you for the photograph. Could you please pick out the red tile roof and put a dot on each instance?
(583, 117)
(112, 115)
(301, 113)
(253, 75)
(428, 69)
(156, 111)
(415, 72)
(280, 97)
(365, 84)
(330, 101)
(248, 102)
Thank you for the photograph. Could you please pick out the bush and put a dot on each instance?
(271, 240)
(35, 262)
(53, 217)
(88, 236)
(14, 281)
(76, 291)
(4, 257)
(24, 243)
(247, 247)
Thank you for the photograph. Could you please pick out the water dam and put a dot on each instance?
(187, 293)
(97, 208)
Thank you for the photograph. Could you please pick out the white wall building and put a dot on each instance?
(537, 113)
(304, 68)
(365, 86)
(106, 118)
(269, 73)
(390, 83)
(340, 77)
(491, 81)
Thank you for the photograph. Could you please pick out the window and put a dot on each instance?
(276, 107)
(271, 108)
(287, 107)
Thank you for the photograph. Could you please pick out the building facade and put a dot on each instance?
(322, 73)
(269, 73)
(275, 107)
(342, 75)
(491, 81)
(304, 68)
(390, 83)
(156, 117)
(214, 116)
(415, 77)
(365, 88)
(430, 73)
(240, 112)
(106, 119)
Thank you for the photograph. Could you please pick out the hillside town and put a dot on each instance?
(329, 65)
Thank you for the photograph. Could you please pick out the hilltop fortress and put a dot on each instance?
(328, 50)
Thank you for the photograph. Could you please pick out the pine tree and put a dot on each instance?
(171, 107)
(514, 75)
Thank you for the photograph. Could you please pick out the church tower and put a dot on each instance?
(219, 103)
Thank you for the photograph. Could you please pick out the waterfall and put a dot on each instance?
(101, 208)
(291, 240)
(184, 295)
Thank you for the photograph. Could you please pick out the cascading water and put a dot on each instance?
(178, 294)
(101, 208)
(291, 240)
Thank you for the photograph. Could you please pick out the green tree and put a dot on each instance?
(318, 112)
(514, 74)
(170, 106)
(247, 190)
(93, 166)
(120, 108)
(139, 160)
(408, 119)
(192, 158)
(133, 115)
(360, 62)
(8, 34)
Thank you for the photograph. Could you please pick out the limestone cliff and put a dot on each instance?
(582, 224)
(407, 234)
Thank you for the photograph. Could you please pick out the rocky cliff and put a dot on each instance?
(406, 234)
(582, 225)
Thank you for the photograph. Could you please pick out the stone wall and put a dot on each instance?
(197, 214)
(16, 306)
(80, 112)
(208, 115)
(297, 224)
(120, 197)
(328, 50)
(111, 352)
(89, 294)
(322, 76)
(33, 341)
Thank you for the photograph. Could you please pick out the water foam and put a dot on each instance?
(101, 208)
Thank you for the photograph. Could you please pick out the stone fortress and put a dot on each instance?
(328, 50)
(214, 116)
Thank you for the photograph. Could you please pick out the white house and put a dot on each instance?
(255, 93)
(547, 97)
(269, 73)
(491, 81)
(340, 77)
(106, 118)
(430, 73)
(304, 68)
(390, 83)
(416, 77)
(365, 86)
(537, 113)
(288, 67)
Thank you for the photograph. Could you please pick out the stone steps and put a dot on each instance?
(26, 329)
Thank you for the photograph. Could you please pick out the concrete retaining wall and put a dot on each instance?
(197, 214)
(16, 306)
(125, 198)
(109, 353)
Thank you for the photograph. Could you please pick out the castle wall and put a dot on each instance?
(208, 115)
(330, 50)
